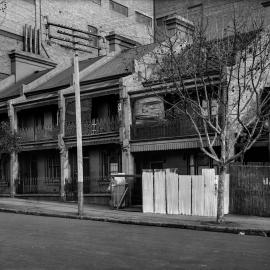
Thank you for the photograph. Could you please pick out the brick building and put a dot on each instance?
(217, 12)
(37, 40)
(132, 19)
(36, 96)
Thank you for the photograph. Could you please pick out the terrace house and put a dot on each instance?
(38, 39)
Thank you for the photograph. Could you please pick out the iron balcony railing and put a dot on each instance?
(38, 185)
(30, 134)
(4, 185)
(90, 186)
(163, 129)
(93, 127)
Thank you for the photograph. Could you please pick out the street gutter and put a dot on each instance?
(197, 227)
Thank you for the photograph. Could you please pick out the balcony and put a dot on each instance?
(176, 128)
(35, 134)
(94, 127)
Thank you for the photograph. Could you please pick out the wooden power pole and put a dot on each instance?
(76, 83)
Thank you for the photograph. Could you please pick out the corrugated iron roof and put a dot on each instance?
(64, 78)
(121, 64)
(14, 90)
(166, 145)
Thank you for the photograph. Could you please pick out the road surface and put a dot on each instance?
(33, 242)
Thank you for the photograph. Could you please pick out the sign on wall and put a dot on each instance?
(148, 109)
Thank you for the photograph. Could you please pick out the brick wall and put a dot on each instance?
(217, 12)
(6, 45)
(77, 14)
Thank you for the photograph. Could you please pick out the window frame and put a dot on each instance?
(112, 3)
(139, 14)
(98, 2)
(52, 168)
(93, 30)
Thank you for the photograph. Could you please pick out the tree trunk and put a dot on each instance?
(220, 198)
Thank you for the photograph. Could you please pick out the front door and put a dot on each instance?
(28, 175)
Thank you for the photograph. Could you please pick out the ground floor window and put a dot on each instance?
(52, 167)
(110, 163)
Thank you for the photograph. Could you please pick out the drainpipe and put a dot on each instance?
(154, 19)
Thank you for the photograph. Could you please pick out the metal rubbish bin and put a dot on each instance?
(118, 188)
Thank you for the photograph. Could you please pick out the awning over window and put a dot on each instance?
(167, 145)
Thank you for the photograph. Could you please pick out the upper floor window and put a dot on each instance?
(93, 30)
(96, 1)
(119, 8)
(266, 4)
(141, 18)
(195, 13)
(161, 21)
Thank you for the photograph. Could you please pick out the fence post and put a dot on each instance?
(148, 191)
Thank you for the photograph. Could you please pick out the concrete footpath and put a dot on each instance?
(243, 225)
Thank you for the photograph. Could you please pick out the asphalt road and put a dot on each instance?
(32, 242)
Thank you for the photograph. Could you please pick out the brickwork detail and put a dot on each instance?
(78, 14)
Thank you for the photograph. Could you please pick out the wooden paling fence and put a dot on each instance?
(167, 192)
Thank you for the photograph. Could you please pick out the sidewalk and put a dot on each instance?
(248, 225)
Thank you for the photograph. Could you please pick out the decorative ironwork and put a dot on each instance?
(90, 186)
(93, 127)
(4, 182)
(4, 185)
(38, 185)
(38, 133)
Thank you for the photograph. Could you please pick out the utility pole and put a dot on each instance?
(76, 83)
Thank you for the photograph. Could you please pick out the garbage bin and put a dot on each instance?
(118, 187)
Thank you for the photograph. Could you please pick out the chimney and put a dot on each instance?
(24, 64)
(119, 43)
(171, 25)
(175, 23)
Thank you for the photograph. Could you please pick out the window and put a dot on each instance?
(141, 18)
(52, 167)
(110, 163)
(202, 162)
(161, 21)
(266, 4)
(93, 30)
(195, 13)
(119, 8)
(96, 2)
(214, 107)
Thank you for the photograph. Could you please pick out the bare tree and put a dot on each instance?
(3, 9)
(219, 84)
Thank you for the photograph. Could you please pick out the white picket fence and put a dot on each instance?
(166, 192)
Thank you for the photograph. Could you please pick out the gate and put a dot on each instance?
(250, 190)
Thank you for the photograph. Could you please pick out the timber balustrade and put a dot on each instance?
(30, 134)
(163, 129)
(93, 127)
